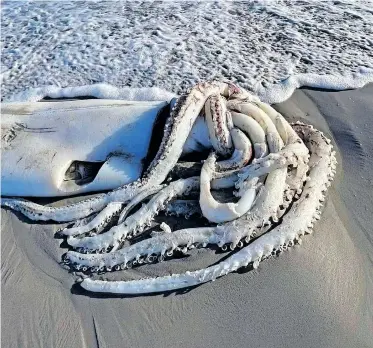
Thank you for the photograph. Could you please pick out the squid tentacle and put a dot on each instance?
(177, 129)
(292, 154)
(295, 224)
(280, 193)
(266, 205)
(254, 131)
(100, 221)
(113, 209)
(139, 198)
(218, 127)
(136, 222)
(242, 152)
(221, 212)
(274, 141)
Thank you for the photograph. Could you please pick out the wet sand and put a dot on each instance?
(319, 294)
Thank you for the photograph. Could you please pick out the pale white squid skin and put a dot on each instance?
(221, 212)
(103, 218)
(284, 235)
(290, 155)
(217, 124)
(281, 124)
(263, 119)
(98, 223)
(295, 224)
(266, 207)
(137, 222)
(183, 116)
(278, 202)
(242, 152)
(139, 198)
(254, 131)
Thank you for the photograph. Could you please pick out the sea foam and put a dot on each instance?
(279, 92)
(100, 90)
(269, 47)
(275, 93)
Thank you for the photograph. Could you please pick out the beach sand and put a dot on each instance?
(319, 294)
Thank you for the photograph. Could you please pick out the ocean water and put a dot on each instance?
(269, 47)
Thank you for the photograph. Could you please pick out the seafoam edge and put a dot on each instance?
(275, 93)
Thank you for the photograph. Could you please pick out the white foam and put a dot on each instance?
(264, 46)
(101, 91)
(278, 93)
(275, 93)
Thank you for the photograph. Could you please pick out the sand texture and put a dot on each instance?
(319, 294)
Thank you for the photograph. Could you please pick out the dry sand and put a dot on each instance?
(319, 294)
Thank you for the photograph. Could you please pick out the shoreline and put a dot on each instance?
(274, 94)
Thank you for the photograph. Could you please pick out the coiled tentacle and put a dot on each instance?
(279, 193)
(221, 212)
(242, 152)
(295, 224)
(177, 129)
(254, 131)
(135, 223)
